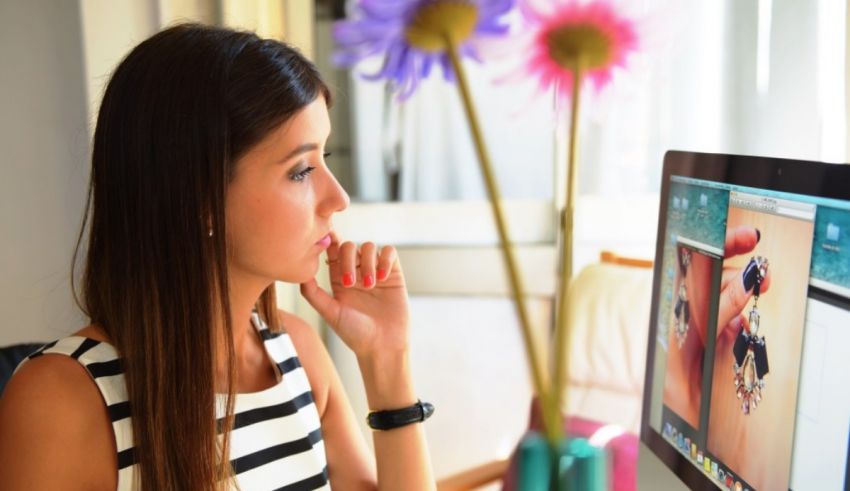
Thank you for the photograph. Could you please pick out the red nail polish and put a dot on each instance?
(348, 279)
(382, 274)
(368, 280)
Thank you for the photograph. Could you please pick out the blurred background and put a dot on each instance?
(761, 77)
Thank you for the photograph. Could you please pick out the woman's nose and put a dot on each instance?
(336, 199)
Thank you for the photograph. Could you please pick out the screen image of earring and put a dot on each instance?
(760, 319)
(686, 338)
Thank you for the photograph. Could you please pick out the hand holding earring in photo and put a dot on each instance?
(750, 349)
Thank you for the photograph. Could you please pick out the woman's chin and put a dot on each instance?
(305, 273)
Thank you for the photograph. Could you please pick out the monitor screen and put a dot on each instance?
(749, 354)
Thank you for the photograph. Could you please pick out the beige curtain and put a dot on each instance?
(289, 20)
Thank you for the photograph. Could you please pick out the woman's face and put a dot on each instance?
(277, 208)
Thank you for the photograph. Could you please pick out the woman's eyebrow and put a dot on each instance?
(303, 148)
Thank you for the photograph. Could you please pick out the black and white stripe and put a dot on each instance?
(276, 441)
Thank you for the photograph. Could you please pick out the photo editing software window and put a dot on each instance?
(751, 365)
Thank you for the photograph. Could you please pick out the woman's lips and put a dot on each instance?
(325, 242)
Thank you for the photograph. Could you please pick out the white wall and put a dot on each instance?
(56, 58)
(43, 166)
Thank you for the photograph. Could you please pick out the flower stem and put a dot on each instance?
(562, 331)
(506, 246)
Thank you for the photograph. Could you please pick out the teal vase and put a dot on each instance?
(581, 466)
(574, 465)
(535, 463)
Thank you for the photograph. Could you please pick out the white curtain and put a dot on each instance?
(427, 139)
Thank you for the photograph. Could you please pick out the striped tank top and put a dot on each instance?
(276, 441)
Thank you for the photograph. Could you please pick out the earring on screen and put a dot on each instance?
(682, 310)
(750, 349)
(210, 233)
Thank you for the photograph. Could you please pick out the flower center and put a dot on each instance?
(436, 20)
(584, 43)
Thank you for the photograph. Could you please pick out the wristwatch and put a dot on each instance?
(396, 418)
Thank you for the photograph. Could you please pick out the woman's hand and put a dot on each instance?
(735, 289)
(369, 311)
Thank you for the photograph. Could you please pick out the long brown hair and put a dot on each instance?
(177, 114)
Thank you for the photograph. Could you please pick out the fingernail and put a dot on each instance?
(750, 274)
(368, 280)
(758, 235)
(348, 279)
(382, 274)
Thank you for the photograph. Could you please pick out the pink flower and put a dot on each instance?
(589, 37)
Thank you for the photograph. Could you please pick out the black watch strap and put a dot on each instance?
(395, 418)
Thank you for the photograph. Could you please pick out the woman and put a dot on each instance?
(208, 184)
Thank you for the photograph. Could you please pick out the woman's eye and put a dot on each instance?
(300, 176)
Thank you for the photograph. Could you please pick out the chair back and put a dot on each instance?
(609, 315)
(11, 357)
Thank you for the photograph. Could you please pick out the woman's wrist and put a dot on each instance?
(387, 380)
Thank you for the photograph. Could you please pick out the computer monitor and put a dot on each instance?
(748, 362)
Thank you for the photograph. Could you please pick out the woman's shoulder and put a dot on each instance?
(52, 376)
(93, 331)
(55, 370)
(52, 413)
(298, 328)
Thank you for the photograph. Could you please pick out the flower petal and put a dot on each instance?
(378, 26)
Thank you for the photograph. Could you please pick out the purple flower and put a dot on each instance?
(413, 34)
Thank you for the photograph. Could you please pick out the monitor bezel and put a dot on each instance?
(818, 179)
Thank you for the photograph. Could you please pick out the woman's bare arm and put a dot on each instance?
(401, 453)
